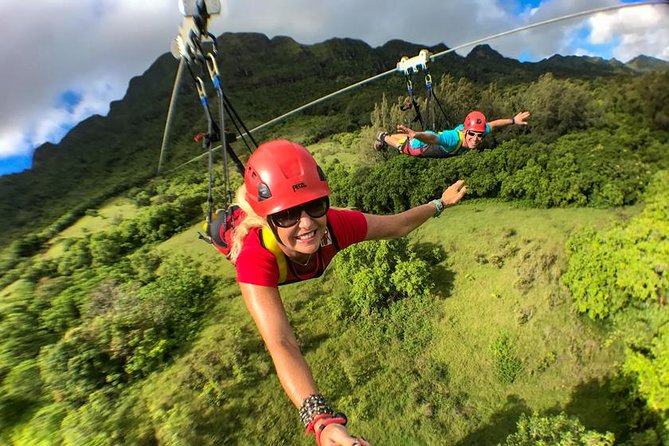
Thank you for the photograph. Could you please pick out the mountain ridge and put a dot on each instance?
(263, 77)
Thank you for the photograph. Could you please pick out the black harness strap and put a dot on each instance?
(235, 117)
(430, 97)
(413, 103)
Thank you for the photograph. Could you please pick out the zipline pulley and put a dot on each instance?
(413, 65)
(408, 65)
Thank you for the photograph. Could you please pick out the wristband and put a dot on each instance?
(312, 424)
(439, 207)
(338, 418)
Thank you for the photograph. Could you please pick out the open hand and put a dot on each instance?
(337, 435)
(404, 129)
(521, 118)
(454, 193)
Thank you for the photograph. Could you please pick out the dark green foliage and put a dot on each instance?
(109, 418)
(648, 365)
(20, 337)
(143, 265)
(597, 168)
(642, 425)
(179, 208)
(27, 245)
(77, 256)
(40, 269)
(76, 366)
(380, 273)
(63, 311)
(126, 333)
(647, 98)
(555, 430)
(624, 265)
(558, 106)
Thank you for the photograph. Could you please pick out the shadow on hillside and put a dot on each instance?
(602, 405)
(593, 402)
(435, 255)
(605, 405)
(501, 424)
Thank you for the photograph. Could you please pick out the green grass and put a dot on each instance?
(108, 215)
(506, 264)
(500, 278)
(499, 281)
(189, 244)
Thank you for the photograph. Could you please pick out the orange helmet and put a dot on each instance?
(475, 121)
(281, 174)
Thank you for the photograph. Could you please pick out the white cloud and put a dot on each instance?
(642, 30)
(77, 45)
(94, 47)
(11, 140)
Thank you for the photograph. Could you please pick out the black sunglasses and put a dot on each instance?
(289, 217)
(473, 133)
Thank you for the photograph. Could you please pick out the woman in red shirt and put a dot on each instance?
(290, 234)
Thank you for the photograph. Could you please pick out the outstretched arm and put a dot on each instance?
(519, 119)
(266, 308)
(424, 137)
(385, 227)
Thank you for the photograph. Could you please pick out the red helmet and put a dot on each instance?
(475, 121)
(282, 174)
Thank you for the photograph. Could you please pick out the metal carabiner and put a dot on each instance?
(212, 67)
(428, 81)
(409, 86)
(199, 84)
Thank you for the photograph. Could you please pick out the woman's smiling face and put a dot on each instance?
(301, 228)
(305, 236)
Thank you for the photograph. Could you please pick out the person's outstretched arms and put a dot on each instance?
(267, 310)
(424, 137)
(518, 119)
(385, 227)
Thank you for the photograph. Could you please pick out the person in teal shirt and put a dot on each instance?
(447, 143)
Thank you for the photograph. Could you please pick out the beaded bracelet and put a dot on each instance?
(313, 406)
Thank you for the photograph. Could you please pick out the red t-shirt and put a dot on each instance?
(256, 265)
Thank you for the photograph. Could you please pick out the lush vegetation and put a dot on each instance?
(480, 328)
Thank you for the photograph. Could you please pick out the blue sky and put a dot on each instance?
(83, 52)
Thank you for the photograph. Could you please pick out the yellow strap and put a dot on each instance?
(272, 245)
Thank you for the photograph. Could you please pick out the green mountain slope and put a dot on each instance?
(263, 77)
(121, 327)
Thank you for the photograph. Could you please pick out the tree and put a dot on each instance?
(559, 430)
(379, 273)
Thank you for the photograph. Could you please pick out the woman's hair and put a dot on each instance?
(252, 220)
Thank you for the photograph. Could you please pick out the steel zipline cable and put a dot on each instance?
(549, 21)
(432, 57)
(170, 114)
